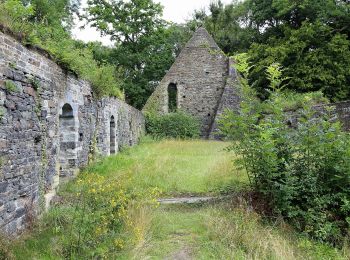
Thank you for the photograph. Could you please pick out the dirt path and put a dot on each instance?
(192, 199)
(183, 254)
(186, 200)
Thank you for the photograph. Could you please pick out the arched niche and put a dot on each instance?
(112, 135)
(130, 132)
(68, 141)
(172, 97)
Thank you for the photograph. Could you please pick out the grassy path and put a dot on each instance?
(178, 168)
(208, 231)
(223, 230)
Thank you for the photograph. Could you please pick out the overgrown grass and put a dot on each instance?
(86, 227)
(108, 208)
(96, 217)
(176, 167)
(224, 232)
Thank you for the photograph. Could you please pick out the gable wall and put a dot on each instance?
(200, 73)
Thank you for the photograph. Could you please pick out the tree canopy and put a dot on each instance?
(309, 38)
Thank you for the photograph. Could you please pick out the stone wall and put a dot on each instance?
(229, 100)
(341, 112)
(50, 121)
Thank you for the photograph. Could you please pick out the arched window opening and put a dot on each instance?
(68, 141)
(172, 97)
(112, 135)
(67, 111)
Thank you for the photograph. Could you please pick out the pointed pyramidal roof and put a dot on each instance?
(201, 38)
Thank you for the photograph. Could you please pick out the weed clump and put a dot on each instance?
(10, 86)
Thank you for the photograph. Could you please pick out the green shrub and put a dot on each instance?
(79, 59)
(173, 125)
(303, 171)
(14, 15)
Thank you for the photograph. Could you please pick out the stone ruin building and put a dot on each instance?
(200, 83)
(50, 121)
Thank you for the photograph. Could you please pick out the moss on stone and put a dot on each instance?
(10, 86)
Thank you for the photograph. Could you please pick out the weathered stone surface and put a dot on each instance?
(342, 110)
(3, 187)
(37, 147)
(229, 98)
(30, 91)
(339, 111)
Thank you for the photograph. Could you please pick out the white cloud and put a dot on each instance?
(177, 11)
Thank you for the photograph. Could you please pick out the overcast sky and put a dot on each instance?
(174, 10)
